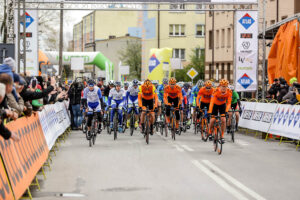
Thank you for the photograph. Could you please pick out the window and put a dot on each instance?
(228, 37)
(210, 71)
(179, 53)
(223, 38)
(284, 17)
(180, 6)
(223, 70)
(199, 52)
(210, 39)
(200, 30)
(272, 22)
(217, 38)
(228, 72)
(200, 7)
(176, 30)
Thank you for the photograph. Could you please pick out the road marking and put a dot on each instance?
(241, 142)
(187, 147)
(178, 148)
(233, 180)
(219, 181)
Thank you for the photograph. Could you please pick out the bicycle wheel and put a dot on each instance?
(115, 126)
(132, 123)
(233, 124)
(173, 129)
(215, 139)
(204, 129)
(147, 129)
(108, 123)
(220, 144)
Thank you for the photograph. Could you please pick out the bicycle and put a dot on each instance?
(132, 119)
(204, 125)
(94, 129)
(109, 130)
(147, 125)
(173, 122)
(197, 121)
(83, 124)
(233, 124)
(162, 122)
(218, 135)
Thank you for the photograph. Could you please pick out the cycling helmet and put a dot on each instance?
(165, 81)
(186, 85)
(180, 84)
(118, 83)
(147, 83)
(223, 82)
(172, 81)
(126, 84)
(208, 83)
(135, 82)
(91, 83)
(200, 83)
(111, 82)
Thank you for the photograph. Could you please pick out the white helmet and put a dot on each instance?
(111, 82)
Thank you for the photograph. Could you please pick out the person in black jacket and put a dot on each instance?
(74, 95)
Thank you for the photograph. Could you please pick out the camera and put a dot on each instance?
(297, 86)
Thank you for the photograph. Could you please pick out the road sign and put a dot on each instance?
(192, 73)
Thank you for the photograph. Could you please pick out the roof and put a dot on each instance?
(273, 29)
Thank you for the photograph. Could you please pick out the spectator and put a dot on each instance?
(283, 89)
(37, 104)
(74, 95)
(273, 91)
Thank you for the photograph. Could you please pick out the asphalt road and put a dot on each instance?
(187, 168)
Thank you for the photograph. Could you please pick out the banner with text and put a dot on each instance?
(246, 50)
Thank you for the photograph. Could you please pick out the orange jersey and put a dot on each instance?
(220, 98)
(147, 92)
(173, 93)
(205, 95)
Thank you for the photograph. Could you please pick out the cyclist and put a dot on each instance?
(91, 99)
(173, 97)
(204, 97)
(235, 105)
(194, 94)
(147, 98)
(184, 100)
(116, 99)
(220, 103)
(160, 93)
(187, 90)
(132, 98)
(126, 86)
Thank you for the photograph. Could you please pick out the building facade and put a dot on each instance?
(181, 30)
(219, 40)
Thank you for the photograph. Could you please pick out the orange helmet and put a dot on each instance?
(172, 81)
(223, 82)
(147, 83)
(208, 83)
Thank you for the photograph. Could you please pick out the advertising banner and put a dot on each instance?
(246, 50)
(248, 109)
(31, 41)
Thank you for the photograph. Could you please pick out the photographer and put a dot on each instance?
(283, 89)
(273, 91)
(74, 94)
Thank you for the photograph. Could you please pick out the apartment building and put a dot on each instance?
(219, 39)
(181, 30)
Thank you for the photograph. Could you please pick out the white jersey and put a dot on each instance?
(115, 95)
(133, 91)
(92, 96)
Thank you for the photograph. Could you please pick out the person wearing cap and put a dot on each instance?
(92, 98)
(17, 104)
(275, 87)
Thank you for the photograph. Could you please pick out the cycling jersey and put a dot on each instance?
(116, 97)
(160, 92)
(204, 95)
(235, 97)
(93, 98)
(220, 99)
(147, 92)
(188, 95)
(173, 93)
(147, 97)
(132, 98)
(194, 94)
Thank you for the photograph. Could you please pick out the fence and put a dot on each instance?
(281, 120)
(21, 161)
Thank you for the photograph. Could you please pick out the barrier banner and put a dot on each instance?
(5, 190)
(23, 159)
(248, 109)
(54, 120)
(286, 121)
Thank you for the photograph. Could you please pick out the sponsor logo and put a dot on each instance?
(246, 35)
(296, 119)
(246, 21)
(281, 116)
(153, 63)
(244, 59)
(276, 115)
(257, 115)
(247, 114)
(291, 117)
(267, 117)
(28, 20)
(245, 81)
(246, 45)
(286, 116)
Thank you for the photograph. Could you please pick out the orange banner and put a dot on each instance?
(5, 189)
(24, 159)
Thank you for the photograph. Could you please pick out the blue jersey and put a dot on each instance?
(160, 92)
(194, 94)
(93, 98)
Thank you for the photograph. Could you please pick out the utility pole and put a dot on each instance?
(264, 52)
(158, 26)
(61, 31)
(21, 37)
